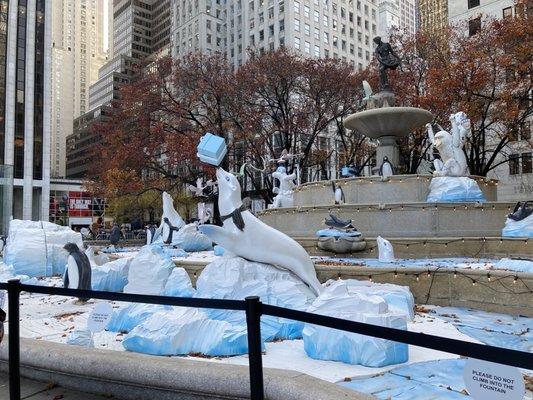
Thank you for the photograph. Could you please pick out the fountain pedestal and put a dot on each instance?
(388, 147)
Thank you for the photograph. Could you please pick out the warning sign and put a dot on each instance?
(489, 381)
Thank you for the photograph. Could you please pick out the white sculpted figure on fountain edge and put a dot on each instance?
(285, 190)
(248, 237)
(450, 146)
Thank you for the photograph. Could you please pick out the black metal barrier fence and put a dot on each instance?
(254, 309)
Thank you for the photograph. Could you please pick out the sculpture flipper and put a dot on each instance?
(217, 234)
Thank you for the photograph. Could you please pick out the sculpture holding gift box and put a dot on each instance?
(243, 234)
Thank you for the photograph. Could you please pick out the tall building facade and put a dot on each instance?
(474, 11)
(319, 28)
(25, 54)
(140, 31)
(77, 54)
(397, 14)
(432, 15)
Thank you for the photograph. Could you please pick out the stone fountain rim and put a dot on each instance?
(384, 111)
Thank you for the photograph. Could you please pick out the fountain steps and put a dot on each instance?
(400, 220)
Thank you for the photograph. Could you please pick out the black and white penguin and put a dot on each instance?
(386, 169)
(78, 272)
(338, 193)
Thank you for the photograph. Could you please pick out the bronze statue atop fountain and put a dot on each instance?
(387, 59)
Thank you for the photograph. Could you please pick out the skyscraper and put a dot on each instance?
(77, 54)
(433, 14)
(321, 28)
(25, 54)
(397, 14)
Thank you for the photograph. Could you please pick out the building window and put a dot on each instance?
(473, 3)
(514, 164)
(527, 165)
(317, 54)
(296, 7)
(474, 26)
(308, 47)
(297, 25)
(297, 43)
(508, 12)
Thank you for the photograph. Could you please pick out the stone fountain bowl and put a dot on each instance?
(388, 121)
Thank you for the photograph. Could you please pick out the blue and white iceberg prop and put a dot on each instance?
(212, 149)
(179, 284)
(450, 189)
(175, 233)
(236, 278)
(35, 248)
(149, 271)
(82, 338)
(523, 228)
(127, 318)
(183, 331)
(342, 301)
(112, 276)
(336, 233)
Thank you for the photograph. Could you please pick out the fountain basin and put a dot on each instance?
(388, 121)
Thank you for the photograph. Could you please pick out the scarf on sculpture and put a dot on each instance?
(236, 216)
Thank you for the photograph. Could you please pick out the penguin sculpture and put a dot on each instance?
(386, 169)
(78, 272)
(338, 193)
(521, 211)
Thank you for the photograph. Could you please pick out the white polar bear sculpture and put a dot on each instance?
(450, 146)
(285, 191)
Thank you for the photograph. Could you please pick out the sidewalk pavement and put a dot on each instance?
(33, 390)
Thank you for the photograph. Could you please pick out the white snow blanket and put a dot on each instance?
(112, 276)
(450, 189)
(522, 228)
(342, 301)
(236, 278)
(182, 331)
(35, 248)
(149, 271)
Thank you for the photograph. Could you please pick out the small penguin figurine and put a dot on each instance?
(386, 169)
(338, 193)
(78, 272)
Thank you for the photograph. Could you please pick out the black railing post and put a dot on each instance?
(255, 356)
(13, 295)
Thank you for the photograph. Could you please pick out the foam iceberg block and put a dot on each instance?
(399, 299)
(112, 276)
(190, 239)
(329, 344)
(218, 250)
(236, 278)
(186, 331)
(96, 259)
(179, 284)
(331, 232)
(451, 189)
(522, 228)
(80, 338)
(128, 317)
(35, 248)
(149, 271)
(174, 252)
(515, 265)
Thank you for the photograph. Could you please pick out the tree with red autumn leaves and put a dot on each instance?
(487, 75)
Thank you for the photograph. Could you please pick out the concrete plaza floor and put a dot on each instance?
(33, 390)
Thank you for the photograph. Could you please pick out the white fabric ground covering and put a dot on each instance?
(53, 318)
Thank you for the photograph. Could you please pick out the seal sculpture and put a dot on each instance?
(78, 272)
(171, 221)
(246, 236)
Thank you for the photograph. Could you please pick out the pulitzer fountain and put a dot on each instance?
(449, 203)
